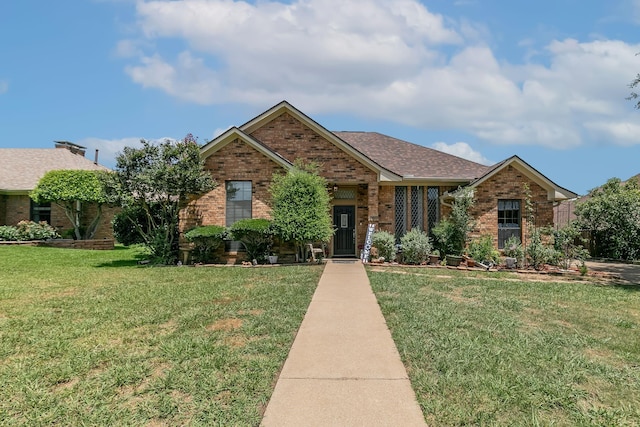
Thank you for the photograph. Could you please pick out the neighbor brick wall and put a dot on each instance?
(236, 161)
(508, 184)
(3, 209)
(18, 208)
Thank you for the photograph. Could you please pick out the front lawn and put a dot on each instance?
(494, 350)
(92, 338)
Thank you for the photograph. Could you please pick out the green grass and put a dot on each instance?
(490, 350)
(91, 338)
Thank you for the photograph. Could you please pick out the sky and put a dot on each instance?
(546, 80)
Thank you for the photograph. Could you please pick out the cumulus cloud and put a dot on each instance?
(384, 59)
(462, 149)
(110, 148)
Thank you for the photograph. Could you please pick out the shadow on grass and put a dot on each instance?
(630, 287)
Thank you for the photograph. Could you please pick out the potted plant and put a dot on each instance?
(273, 258)
(434, 257)
(482, 250)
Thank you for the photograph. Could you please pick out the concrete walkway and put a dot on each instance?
(343, 368)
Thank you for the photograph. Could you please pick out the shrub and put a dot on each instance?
(567, 241)
(8, 233)
(29, 230)
(206, 240)
(482, 249)
(416, 246)
(513, 248)
(443, 233)
(256, 235)
(385, 242)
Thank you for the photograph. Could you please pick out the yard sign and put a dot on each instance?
(364, 256)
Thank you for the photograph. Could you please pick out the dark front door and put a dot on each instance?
(344, 221)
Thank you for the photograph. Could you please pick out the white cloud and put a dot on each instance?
(108, 148)
(384, 59)
(4, 86)
(462, 149)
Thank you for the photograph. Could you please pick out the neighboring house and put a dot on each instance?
(373, 178)
(20, 171)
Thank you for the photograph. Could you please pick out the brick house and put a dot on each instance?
(20, 171)
(373, 178)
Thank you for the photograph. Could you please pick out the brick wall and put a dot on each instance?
(386, 203)
(18, 208)
(236, 161)
(101, 244)
(508, 184)
(294, 140)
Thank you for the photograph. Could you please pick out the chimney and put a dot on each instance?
(95, 159)
(74, 148)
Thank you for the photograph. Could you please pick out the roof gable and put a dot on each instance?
(284, 107)
(554, 191)
(22, 168)
(235, 133)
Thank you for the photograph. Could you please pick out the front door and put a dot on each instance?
(344, 222)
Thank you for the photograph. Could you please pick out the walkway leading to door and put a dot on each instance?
(343, 368)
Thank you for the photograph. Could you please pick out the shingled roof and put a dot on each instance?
(22, 168)
(411, 160)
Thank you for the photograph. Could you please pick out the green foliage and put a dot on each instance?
(633, 96)
(127, 223)
(301, 207)
(482, 249)
(8, 233)
(68, 188)
(385, 242)
(567, 241)
(28, 230)
(538, 253)
(159, 180)
(416, 247)
(256, 235)
(206, 240)
(612, 215)
(452, 233)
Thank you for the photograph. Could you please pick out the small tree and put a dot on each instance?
(160, 180)
(301, 207)
(206, 239)
(70, 189)
(452, 233)
(612, 215)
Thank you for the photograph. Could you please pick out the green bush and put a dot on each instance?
(206, 240)
(443, 233)
(513, 248)
(8, 233)
(385, 242)
(29, 230)
(256, 235)
(416, 246)
(481, 249)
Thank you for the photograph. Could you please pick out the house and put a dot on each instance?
(373, 178)
(20, 171)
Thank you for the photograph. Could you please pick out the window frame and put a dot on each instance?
(509, 220)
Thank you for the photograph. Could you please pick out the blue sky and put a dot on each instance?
(544, 80)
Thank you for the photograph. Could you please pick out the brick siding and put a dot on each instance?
(508, 184)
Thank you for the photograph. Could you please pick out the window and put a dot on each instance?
(40, 212)
(238, 201)
(433, 207)
(417, 209)
(508, 220)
